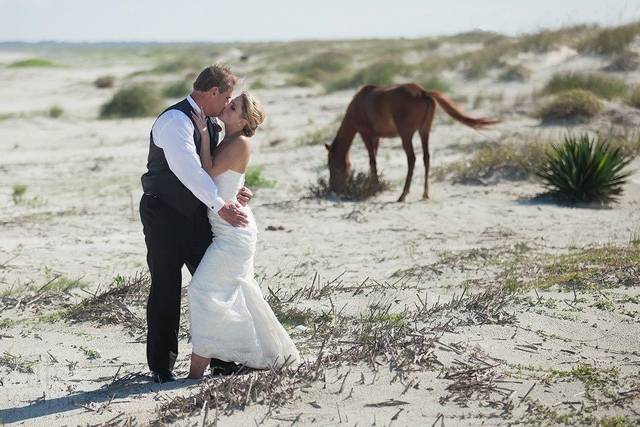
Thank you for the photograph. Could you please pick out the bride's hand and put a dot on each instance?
(244, 196)
(201, 122)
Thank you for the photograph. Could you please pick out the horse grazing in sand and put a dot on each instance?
(385, 112)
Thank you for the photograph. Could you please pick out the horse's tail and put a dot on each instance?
(451, 109)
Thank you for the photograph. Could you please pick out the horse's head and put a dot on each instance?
(339, 167)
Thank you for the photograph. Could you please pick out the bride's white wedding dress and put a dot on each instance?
(230, 319)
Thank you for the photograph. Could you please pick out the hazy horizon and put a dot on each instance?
(160, 21)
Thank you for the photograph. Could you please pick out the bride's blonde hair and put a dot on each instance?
(253, 113)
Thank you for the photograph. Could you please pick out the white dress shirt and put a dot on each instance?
(173, 133)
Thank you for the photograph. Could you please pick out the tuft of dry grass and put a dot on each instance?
(576, 105)
(320, 135)
(547, 40)
(610, 41)
(177, 89)
(33, 63)
(112, 306)
(255, 179)
(634, 97)
(435, 83)
(513, 160)
(18, 193)
(378, 73)
(104, 82)
(140, 100)
(602, 85)
(624, 62)
(272, 388)
(55, 112)
(478, 64)
(515, 73)
(16, 363)
(592, 269)
(359, 186)
(318, 68)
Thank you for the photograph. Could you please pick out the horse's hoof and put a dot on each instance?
(401, 199)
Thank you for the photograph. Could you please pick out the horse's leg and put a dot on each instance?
(372, 148)
(424, 137)
(411, 161)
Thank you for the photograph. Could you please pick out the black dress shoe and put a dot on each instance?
(163, 376)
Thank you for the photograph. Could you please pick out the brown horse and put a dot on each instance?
(385, 112)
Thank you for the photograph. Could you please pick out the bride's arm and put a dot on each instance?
(205, 142)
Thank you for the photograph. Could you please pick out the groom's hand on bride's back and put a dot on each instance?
(231, 213)
(244, 196)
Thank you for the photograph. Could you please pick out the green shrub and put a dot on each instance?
(585, 169)
(253, 179)
(173, 66)
(104, 82)
(436, 84)
(177, 89)
(33, 62)
(546, 40)
(478, 64)
(258, 84)
(634, 98)
(381, 73)
(482, 98)
(624, 62)
(300, 81)
(515, 73)
(319, 67)
(608, 41)
(57, 282)
(321, 135)
(628, 142)
(55, 111)
(18, 193)
(604, 86)
(138, 100)
(573, 106)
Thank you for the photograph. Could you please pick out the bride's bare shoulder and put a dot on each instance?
(242, 144)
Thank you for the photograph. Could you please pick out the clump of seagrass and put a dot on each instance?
(358, 186)
(485, 308)
(273, 388)
(16, 363)
(476, 379)
(391, 337)
(571, 106)
(406, 340)
(112, 306)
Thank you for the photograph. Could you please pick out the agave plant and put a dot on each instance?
(585, 169)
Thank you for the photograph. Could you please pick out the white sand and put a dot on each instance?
(80, 219)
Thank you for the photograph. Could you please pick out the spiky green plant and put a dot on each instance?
(585, 169)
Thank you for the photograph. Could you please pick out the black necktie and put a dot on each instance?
(214, 135)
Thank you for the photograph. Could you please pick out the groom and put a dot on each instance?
(173, 210)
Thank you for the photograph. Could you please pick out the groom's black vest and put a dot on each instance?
(160, 182)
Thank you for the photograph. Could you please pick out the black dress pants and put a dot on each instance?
(172, 240)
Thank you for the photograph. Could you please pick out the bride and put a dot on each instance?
(230, 319)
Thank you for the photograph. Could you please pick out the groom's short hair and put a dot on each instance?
(215, 76)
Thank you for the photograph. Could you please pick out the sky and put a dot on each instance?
(270, 20)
